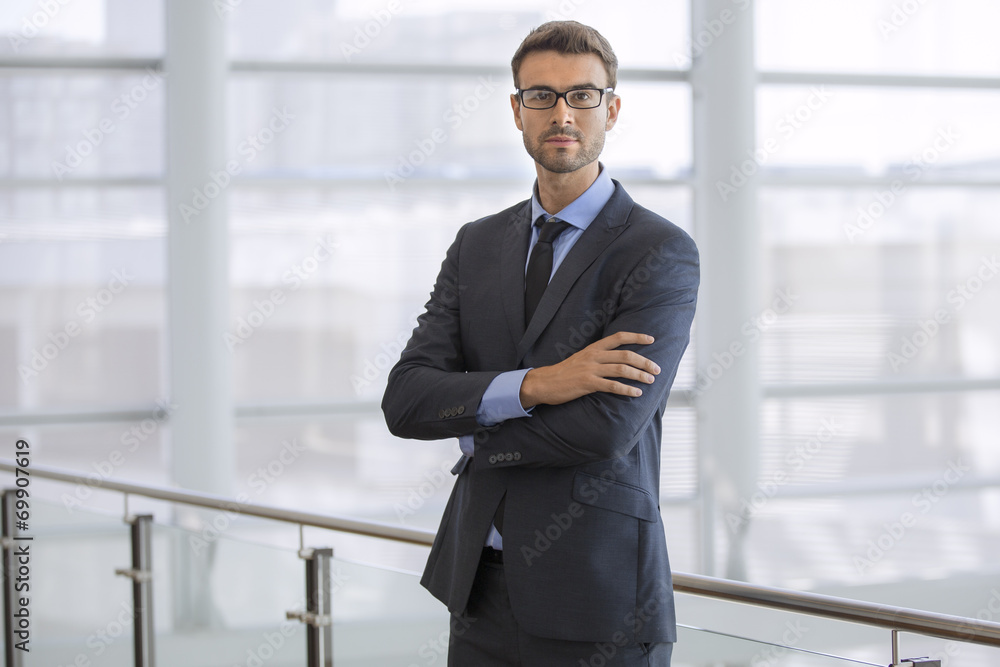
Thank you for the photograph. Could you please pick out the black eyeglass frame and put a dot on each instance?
(520, 96)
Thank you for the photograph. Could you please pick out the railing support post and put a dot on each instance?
(909, 662)
(12, 657)
(141, 574)
(318, 614)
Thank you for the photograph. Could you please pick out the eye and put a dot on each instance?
(585, 96)
(542, 96)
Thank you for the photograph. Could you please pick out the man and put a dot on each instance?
(548, 347)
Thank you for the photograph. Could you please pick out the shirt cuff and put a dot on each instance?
(502, 399)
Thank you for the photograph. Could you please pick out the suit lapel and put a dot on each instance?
(605, 228)
(513, 259)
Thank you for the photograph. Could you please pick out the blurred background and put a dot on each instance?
(216, 305)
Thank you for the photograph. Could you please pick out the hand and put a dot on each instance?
(589, 371)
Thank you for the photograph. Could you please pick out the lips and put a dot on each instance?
(560, 141)
(562, 136)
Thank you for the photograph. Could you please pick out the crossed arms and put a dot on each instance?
(591, 406)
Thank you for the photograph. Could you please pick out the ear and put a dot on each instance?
(613, 107)
(515, 105)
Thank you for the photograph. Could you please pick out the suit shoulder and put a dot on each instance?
(496, 220)
(653, 228)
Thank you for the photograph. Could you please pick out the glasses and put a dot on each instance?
(578, 98)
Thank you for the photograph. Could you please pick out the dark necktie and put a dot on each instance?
(536, 279)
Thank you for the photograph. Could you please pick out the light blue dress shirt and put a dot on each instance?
(501, 400)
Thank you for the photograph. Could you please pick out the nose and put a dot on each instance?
(562, 113)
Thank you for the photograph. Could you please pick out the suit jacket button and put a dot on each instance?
(508, 456)
(461, 409)
(493, 458)
(517, 456)
(441, 414)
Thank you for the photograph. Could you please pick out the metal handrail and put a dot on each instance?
(212, 501)
(943, 626)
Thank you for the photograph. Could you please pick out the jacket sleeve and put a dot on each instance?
(430, 395)
(657, 298)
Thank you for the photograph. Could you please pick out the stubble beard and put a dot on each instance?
(562, 160)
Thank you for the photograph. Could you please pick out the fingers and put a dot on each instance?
(612, 387)
(624, 364)
(635, 360)
(622, 338)
(599, 367)
(626, 372)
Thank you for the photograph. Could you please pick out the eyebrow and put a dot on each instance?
(574, 87)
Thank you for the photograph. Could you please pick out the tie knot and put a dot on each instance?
(550, 229)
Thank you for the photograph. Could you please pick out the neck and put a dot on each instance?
(557, 191)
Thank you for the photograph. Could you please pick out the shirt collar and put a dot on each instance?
(582, 210)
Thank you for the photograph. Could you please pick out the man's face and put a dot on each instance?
(563, 139)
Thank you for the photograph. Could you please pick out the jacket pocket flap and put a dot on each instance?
(614, 496)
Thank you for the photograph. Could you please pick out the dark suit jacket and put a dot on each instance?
(584, 549)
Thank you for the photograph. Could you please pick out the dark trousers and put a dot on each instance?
(486, 635)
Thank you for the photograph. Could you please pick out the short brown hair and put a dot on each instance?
(568, 37)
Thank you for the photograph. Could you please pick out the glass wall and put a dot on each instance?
(368, 132)
(877, 208)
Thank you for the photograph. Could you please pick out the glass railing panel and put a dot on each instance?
(240, 590)
(225, 598)
(385, 617)
(221, 595)
(799, 634)
(697, 647)
(773, 638)
(80, 611)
